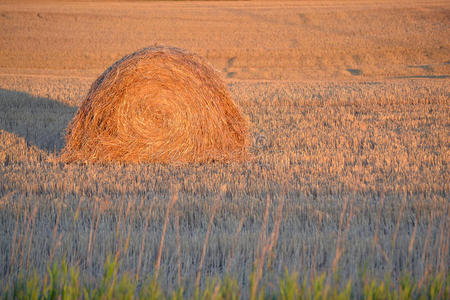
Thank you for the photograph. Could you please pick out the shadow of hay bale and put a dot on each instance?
(40, 121)
(158, 104)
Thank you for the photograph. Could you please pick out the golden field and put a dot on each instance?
(349, 108)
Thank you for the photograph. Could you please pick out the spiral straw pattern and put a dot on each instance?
(159, 104)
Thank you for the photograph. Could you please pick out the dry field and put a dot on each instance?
(349, 106)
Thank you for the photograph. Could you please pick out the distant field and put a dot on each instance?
(349, 106)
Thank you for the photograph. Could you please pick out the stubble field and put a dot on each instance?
(349, 108)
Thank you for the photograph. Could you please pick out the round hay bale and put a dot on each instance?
(158, 104)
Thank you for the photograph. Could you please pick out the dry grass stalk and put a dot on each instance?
(120, 217)
(158, 104)
(144, 234)
(275, 232)
(413, 238)
(14, 248)
(33, 215)
(400, 215)
(91, 235)
(177, 228)
(443, 244)
(58, 216)
(386, 257)
(236, 236)
(77, 212)
(349, 220)
(123, 244)
(97, 221)
(266, 245)
(339, 243)
(427, 240)
(22, 237)
(375, 242)
(205, 242)
(56, 241)
(129, 216)
(24, 241)
(377, 226)
(263, 234)
(445, 257)
(56, 245)
(118, 225)
(216, 291)
(14, 244)
(170, 205)
(116, 236)
(316, 247)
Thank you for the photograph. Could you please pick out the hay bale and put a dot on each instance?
(158, 104)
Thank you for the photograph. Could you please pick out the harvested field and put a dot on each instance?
(349, 112)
